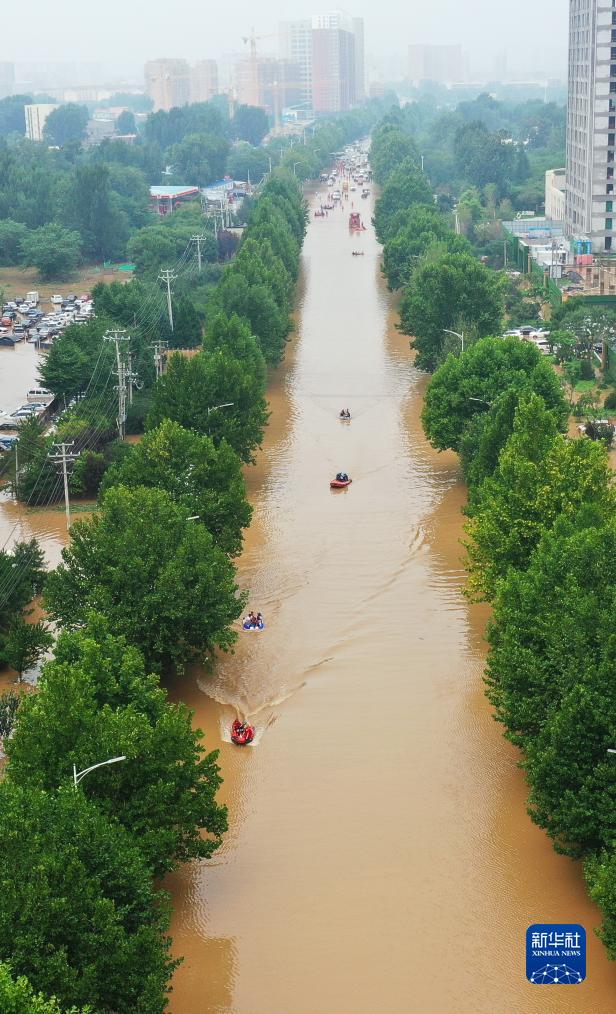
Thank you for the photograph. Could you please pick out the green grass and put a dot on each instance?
(584, 386)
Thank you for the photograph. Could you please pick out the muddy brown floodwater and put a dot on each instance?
(379, 856)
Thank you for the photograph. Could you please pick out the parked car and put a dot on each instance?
(57, 299)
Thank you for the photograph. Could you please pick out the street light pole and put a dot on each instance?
(225, 404)
(294, 164)
(79, 775)
(460, 336)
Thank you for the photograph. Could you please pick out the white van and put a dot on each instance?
(40, 395)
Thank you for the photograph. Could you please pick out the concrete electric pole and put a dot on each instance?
(198, 240)
(123, 374)
(168, 276)
(160, 348)
(64, 457)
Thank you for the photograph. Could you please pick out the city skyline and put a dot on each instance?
(124, 38)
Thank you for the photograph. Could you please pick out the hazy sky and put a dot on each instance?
(131, 31)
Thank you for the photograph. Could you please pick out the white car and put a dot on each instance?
(57, 299)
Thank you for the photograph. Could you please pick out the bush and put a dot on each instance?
(610, 401)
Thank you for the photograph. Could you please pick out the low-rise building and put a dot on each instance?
(164, 200)
(555, 194)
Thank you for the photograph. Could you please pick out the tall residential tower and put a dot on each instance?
(591, 123)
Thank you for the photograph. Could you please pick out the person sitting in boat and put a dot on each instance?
(345, 477)
(339, 477)
(259, 620)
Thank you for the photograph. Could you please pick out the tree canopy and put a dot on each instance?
(158, 577)
(96, 700)
(78, 915)
(452, 291)
(205, 478)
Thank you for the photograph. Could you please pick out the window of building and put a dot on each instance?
(608, 242)
(608, 224)
(608, 205)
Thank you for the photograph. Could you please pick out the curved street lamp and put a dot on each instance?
(79, 775)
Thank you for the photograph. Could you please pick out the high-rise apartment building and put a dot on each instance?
(329, 50)
(437, 63)
(203, 81)
(7, 79)
(167, 83)
(296, 46)
(267, 82)
(591, 122)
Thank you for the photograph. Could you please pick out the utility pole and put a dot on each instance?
(64, 457)
(123, 374)
(160, 348)
(168, 276)
(198, 239)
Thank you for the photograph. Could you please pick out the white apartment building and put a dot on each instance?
(591, 123)
(35, 119)
(555, 194)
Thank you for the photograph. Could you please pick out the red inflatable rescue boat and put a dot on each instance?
(241, 733)
(340, 483)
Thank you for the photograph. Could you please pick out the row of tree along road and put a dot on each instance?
(145, 586)
(541, 528)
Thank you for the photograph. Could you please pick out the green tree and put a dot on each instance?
(422, 227)
(246, 162)
(205, 479)
(25, 644)
(187, 327)
(600, 874)
(256, 305)
(66, 123)
(390, 147)
(406, 186)
(78, 915)
(22, 573)
(96, 700)
(18, 997)
(159, 578)
(53, 251)
(12, 237)
(469, 385)
(125, 123)
(92, 210)
(233, 370)
(442, 293)
(9, 705)
(152, 248)
(541, 476)
(250, 124)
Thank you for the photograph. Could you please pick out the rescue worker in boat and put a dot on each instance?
(258, 620)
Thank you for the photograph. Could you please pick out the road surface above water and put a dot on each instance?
(379, 856)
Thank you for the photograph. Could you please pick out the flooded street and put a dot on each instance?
(379, 855)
